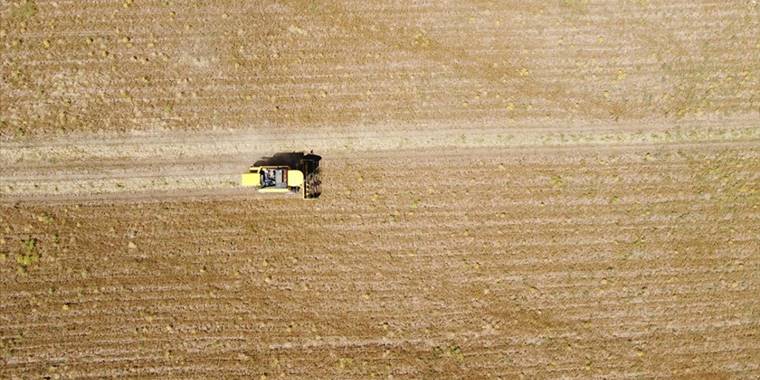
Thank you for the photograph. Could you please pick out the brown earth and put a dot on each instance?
(510, 189)
(228, 64)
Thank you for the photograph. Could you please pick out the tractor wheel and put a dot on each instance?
(312, 185)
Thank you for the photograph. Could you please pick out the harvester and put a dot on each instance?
(287, 172)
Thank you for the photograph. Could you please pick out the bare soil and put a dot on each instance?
(510, 189)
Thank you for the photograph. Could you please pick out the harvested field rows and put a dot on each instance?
(558, 189)
(620, 263)
(120, 66)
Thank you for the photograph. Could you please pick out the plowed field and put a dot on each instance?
(510, 189)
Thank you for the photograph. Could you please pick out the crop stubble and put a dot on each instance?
(562, 189)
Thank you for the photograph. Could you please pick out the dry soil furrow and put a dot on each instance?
(404, 263)
(512, 189)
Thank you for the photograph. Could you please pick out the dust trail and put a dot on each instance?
(82, 166)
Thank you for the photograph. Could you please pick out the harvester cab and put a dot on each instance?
(287, 172)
